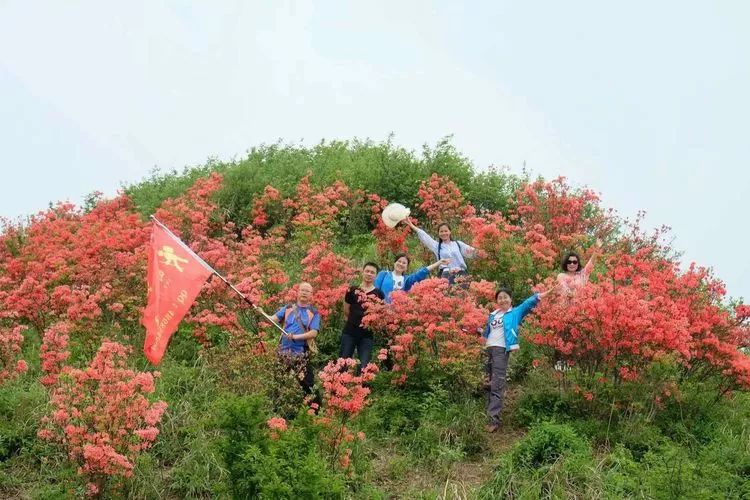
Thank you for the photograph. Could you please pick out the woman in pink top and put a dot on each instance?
(573, 276)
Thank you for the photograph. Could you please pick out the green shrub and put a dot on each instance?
(520, 364)
(448, 432)
(546, 442)
(290, 466)
(21, 406)
(493, 189)
(390, 412)
(552, 461)
(149, 194)
(434, 428)
(539, 405)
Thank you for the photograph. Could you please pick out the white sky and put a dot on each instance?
(645, 102)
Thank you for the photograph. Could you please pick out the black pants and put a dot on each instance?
(363, 344)
(497, 364)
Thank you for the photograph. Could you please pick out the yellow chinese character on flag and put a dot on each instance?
(171, 258)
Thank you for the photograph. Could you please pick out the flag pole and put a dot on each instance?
(222, 278)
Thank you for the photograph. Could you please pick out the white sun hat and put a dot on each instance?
(394, 213)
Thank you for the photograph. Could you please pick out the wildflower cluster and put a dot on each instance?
(11, 366)
(643, 309)
(553, 217)
(329, 274)
(345, 395)
(433, 322)
(442, 201)
(101, 416)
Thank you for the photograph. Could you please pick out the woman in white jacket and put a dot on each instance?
(446, 248)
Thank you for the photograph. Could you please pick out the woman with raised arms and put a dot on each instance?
(455, 251)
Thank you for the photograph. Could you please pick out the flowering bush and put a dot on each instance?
(267, 209)
(345, 395)
(192, 216)
(54, 351)
(329, 274)
(101, 416)
(68, 263)
(11, 340)
(442, 201)
(344, 392)
(277, 425)
(553, 217)
(644, 310)
(316, 212)
(505, 256)
(432, 322)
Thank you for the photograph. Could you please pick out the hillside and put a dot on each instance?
(636, 386)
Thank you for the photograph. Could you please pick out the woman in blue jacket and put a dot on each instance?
(390, 281)
(501, 335)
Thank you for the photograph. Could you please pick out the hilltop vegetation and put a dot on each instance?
(637, 387)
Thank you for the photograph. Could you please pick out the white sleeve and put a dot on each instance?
(427, 241)
(467, 250)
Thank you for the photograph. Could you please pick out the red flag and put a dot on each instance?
(175, 276)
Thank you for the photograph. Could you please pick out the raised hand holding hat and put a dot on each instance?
(394, 213)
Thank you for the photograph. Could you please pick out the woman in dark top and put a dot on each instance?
(354, 334)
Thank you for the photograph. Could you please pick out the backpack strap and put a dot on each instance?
(458, 242)
(295, 311)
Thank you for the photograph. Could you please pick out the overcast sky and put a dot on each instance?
(644, 102)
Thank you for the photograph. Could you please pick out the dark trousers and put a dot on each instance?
(363, 344)
(497, 364)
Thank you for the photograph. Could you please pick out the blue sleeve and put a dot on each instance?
(527, 305)
(411, 279)
(486, 332)
(315, 323)
(379, 279)
(280, 315)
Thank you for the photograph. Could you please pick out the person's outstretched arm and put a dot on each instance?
(527, 305)
(422, 273)
(424, 238)
(435, 265)
(592, 260)
(467, 251)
